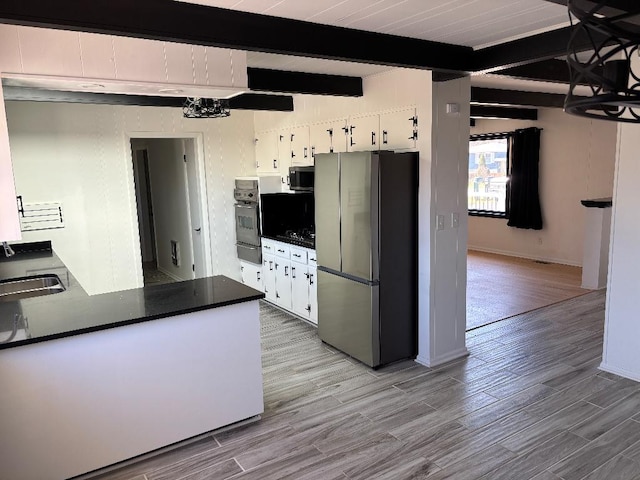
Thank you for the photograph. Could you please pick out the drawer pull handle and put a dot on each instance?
(296, 255)
(281, 251)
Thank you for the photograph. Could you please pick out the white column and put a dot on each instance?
(442, 338)
(622, 329)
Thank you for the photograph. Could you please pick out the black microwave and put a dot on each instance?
(301, 179)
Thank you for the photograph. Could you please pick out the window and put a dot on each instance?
(488, 175)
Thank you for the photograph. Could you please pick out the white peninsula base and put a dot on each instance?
(80, 403)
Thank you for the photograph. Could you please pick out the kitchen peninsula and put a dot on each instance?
(94, 380)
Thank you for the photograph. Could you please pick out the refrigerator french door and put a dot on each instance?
(366, 243)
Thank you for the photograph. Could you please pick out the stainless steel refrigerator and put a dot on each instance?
(366, 210)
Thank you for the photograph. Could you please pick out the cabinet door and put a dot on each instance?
(398, 130)
(320, 136)
(269, 277)
(252, 275)
(266, 152)
(300, 289)
(284, 157)
(283, 282)
(339, 139)
(300, 150)
(313, 295)
(363, 133)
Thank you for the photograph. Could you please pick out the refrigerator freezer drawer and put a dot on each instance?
(348, 317)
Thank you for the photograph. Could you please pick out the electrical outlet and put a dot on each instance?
(439, 222)
(455, 220)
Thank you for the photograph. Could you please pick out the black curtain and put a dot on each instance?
(524, 199)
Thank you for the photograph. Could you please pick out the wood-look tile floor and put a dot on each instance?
(499, 286)
(528, 403)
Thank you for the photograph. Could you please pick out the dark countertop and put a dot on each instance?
(598, 202)
(73, 312)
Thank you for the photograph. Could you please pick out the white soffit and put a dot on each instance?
(473, 23)
(118, 87)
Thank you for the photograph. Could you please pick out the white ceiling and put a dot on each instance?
(473, 23)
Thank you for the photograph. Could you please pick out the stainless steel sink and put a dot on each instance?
(26, 287)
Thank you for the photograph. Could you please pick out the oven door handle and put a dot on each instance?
(252, 206)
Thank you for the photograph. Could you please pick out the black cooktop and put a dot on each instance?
(302, 238)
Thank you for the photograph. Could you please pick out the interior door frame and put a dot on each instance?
(198, 137)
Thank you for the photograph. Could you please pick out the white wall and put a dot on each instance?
(169, 198)
(577, 157)
(622, 329)
(81, 155)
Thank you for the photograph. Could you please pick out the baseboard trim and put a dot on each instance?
(169, 274)
(635, 376)
(434, 362)
(522, 255)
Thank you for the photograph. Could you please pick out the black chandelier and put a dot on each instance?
(614, 37)
(195, 107)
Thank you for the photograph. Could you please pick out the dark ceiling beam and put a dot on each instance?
(246, 101)
(512, 113)
(543, 46)
(258, 101)
(262, 79)
(547, 71)
(494, 96)
(182, 22)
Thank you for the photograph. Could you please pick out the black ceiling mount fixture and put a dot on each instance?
(497, 96)
(609, 70)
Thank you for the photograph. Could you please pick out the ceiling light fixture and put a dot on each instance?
(614, 36)
(195, 107)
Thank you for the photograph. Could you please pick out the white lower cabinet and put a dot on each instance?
(313, 295)
(287, 276)
(283, 283)
(252, 275)
(269, 276)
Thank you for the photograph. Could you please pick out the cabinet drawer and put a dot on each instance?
(298, 254)
(312, 258)
(268, 246)
(282, 250)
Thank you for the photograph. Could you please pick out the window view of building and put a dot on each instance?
(488, 175)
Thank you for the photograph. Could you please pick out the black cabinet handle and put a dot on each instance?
(258, 276)
(293, 272)
(296, 255)
(414, 120)
(330, 131)
(275, 163)
(305, 152)
(313, 152)
(311, 279)
(292, 135)
(280, 250)
(351, 142)
(384, 137)
(286, 271)
(308, 309)
(373, 138)
(292, 154)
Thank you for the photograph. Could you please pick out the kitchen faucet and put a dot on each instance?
(8, 251)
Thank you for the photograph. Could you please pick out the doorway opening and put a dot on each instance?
(171, 206)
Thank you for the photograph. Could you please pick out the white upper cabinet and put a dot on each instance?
(363, 133)
(398, 130)
(328, 137)
(300, 149)
(284, 156)
(267, 152)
